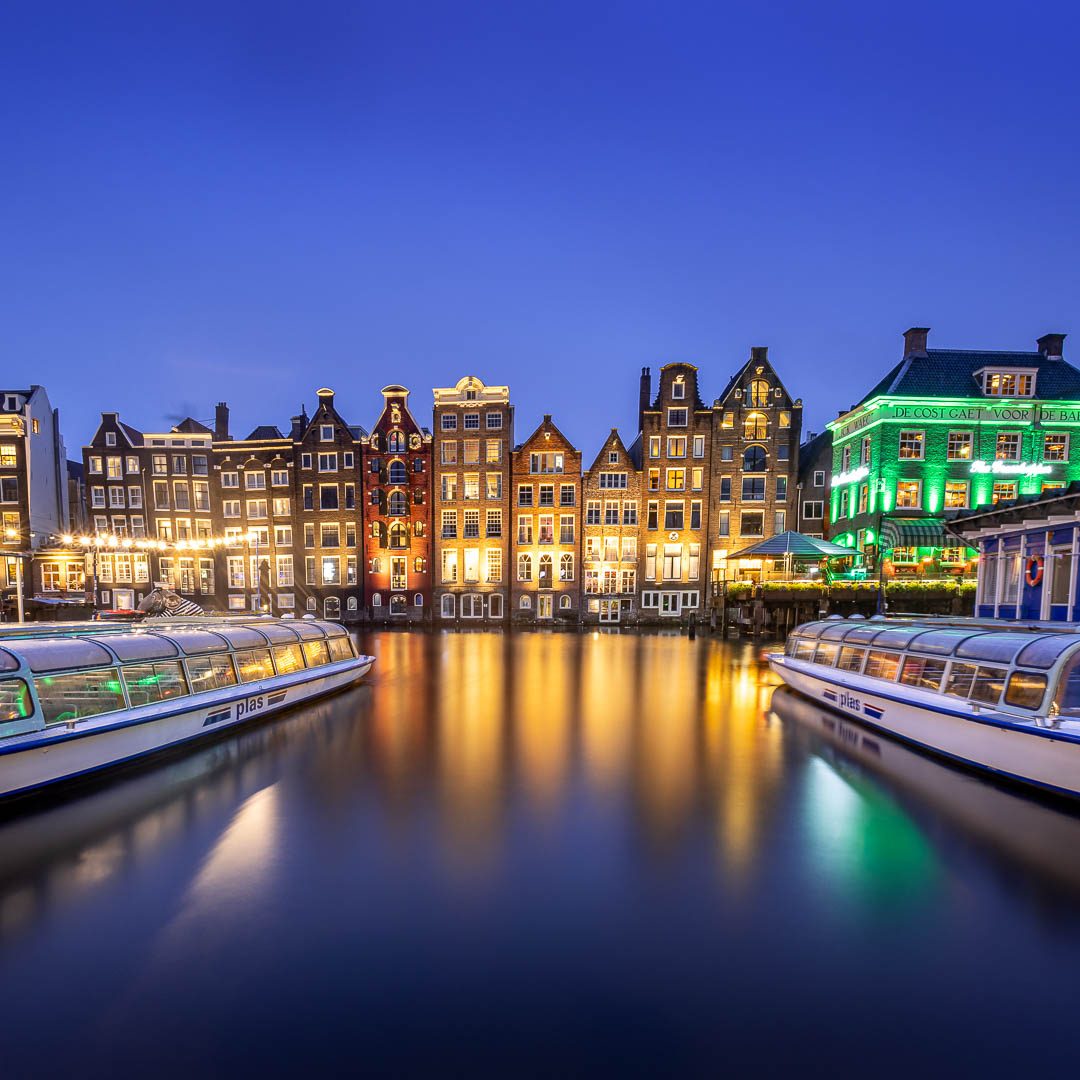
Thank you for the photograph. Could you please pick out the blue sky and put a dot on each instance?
(207, 201)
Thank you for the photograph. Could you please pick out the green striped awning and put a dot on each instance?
(915, 532)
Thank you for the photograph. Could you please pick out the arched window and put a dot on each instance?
(332, 608)
(418, 600)
(545, 571)
(351, 603)
(525, 603)
(447, 609)
(374, 530)
(397, 605)
(311, 604)
(418, 564)
(756, 426)
(525, 567)
(754, 459)
(376, 600)
(395, 443)
(566, 568)
(376, 567)
(396, 505)
(418, 528)
(398, 475)
(759, 393)
(399, 535)
(565, 603)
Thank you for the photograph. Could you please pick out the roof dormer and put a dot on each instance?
(1007, 382)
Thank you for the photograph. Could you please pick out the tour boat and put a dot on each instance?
(1003, 701)
(76, 702)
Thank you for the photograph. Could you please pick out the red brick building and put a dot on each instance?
(397, 525)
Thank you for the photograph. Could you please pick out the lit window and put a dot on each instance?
(912, 445)
(909, 494)
(1008, 446)
(960, 446)
(956, 494)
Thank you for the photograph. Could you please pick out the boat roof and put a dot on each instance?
(1027, 648)
(153, 641)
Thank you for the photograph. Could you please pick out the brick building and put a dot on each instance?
(676, 437)
(815, 482)
(753, 484)
(473, 445)
(546, 476)
(397, 471)
(611, 531)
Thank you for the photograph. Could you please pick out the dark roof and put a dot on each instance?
(951, 373)
(188, 426)
(135, 436)
(634, 451)
(1034, 507)
(74, 469)
(809, 451)
(264, 431)
(357, 432)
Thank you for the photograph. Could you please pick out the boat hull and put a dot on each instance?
(34, 764)
(1017, 752)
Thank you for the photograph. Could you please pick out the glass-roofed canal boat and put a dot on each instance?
(76, 700)
(1006, 701)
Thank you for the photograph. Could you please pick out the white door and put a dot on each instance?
(545, 606)
(609, 611)
(124, 598)
(670, 603)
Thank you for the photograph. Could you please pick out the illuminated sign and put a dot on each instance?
(1012, 468)
(861, 473)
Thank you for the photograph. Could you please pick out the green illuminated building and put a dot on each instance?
(948, 430)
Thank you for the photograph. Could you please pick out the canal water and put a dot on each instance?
(539, 853)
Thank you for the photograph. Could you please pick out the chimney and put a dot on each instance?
(759, 353)
(915, 341)
(1052, 346)
(547, 418)
(221, 422)
(326, 397)
(297, 425)
(644, 396)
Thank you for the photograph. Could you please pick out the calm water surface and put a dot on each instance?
(540, 853)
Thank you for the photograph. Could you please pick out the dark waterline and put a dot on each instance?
(540, 852)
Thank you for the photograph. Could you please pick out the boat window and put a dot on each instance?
(922, 671)
(1067, 698)
(288, 658)
(792, 644)
(851, 659)
(897, 637)
(210, 673)
(195, 642)
(826, 653)
(15, 700)
(1045, 649)
(1026, 689)
(316, 653)
(940, 642)
(959, 681)
(50, 654)
(276, 632)
(804, 649)
(147, 683)
(864, 632)
(835, 631)
(309, 631)
(79, 694)
(882, 665)
(242, 637)
(138, 646)
(254, 664)
(810, 629)
(341, 648)
(988, 684)
(998, 647)
(7, 661)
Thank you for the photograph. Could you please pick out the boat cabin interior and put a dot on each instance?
(59, 680)
(1028, 673)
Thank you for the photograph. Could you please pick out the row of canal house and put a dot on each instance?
(458, 523)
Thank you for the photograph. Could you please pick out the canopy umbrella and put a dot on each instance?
(795, 544)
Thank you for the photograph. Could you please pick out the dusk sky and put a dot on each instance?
(245, 202)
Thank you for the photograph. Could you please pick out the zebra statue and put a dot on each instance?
(165, 604)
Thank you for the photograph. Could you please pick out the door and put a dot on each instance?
(124, 598)
(331, 608)
(609, 611)
(670, 603)
(545, 606)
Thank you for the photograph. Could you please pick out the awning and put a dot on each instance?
(915, 532)
(56, 600)
(796, 544)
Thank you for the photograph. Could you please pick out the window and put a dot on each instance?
(254, 481)
(864, 451)
(753, 489)
(449, 422)
(181, 495)
(305, 462)
(630, 513)
(756, 426)
(654, 480)
(397, 473)
(524, 570)
(725, 489)
(546, 530)
(654, 446)
(566, 567)
(908, 494)
(1003, 492)
(256, 508)
(611, 513)
(781, 487)
(493, 421)
(95, 465)
(723, 523)
(959, 446)
(547, 494)
(1060, 574)
(912, 445)
(326, 433)
(327, 463)
(285, 571)
(471, 422)
(779, 521)
(493, 451)
(676, 446)
(956, 494)
(754, 459)
(1055, 446)
(525, 495)
(493, 485)
(1007, 447)
(397, 504)
(229, 479)
(471, 530)
(699, 446)
(673, 515)
(179, 465)
(525, 529)
(677, 417)
(672, 565)
(695, 514)
(1008, 383)
(328, 497)
(675, 480)
(905, 555)
(678, 388)
(566, 528)
(329, 536)
(493, 558)
(864, 495)
(493, 526)
(652, 513)
(752, 523)
(759, 393)
(331, 570)
(612, 479)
